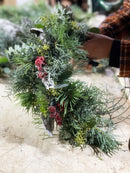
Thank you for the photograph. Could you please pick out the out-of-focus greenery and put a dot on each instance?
(6, 40)
(32, 11)
(4, 65)
(80, 15)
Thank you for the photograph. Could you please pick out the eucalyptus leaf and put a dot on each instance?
(7, 70)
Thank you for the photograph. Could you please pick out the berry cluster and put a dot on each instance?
(55, 114)
(40, 63)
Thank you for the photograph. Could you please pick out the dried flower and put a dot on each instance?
(40, 68)
(40, 58)
(52, 115)
(52, 109)
(60, 107)
(38, 62)
(41, 75)
(58, 119)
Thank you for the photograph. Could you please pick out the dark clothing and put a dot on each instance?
(117, 26)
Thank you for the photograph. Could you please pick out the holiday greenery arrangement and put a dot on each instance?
(43, 83)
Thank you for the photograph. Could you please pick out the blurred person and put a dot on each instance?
(106, 6)
(112, 42)
(81, 3)
(1, 2)
(52, 2)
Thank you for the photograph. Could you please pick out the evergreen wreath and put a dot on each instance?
(42, 81)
